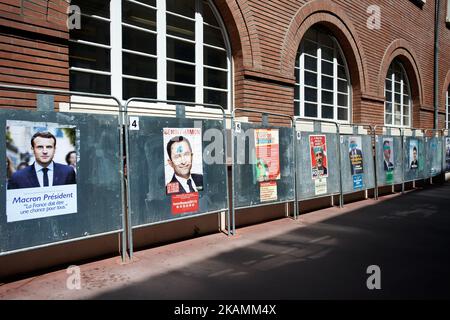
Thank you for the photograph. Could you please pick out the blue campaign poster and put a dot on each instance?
(358, 182)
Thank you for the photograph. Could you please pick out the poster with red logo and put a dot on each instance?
(185, 203)
(267, 166)
(183, 160)
(318, 152)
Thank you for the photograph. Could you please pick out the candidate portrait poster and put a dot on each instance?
(183, 160)
(318, 153)
(356, 155)
(267, 148)
(41, 170)
(413, 154)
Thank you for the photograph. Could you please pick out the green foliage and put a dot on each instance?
(71, 134)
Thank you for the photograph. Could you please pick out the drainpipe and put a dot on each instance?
(436, 64)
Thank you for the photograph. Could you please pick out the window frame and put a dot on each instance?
(447, 111)
(94, 44)
(447, 16)
(300, 103)
(117, 51)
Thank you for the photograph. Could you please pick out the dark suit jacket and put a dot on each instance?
(198, 180)
(414, 164)
(352, 167)
(388, 168)
(324, 170)
(27, 178)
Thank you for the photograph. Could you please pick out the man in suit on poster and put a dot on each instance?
(388, 165)
(356, 158)
(180, 155)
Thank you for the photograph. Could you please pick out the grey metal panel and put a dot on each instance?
(398, 152)
(305, 183)
(368, 166)
(45, 102)
(99, 205)
(418, 173)
(434, 148)
(148, 200)
(247, 192)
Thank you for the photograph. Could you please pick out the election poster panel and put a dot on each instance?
(447, 154)
(267, 147)
(356, 155)
(413, 154)
(183, 168)
(41, 175)
(318, 153)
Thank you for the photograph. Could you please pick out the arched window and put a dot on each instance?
(397, 106)
(163, 49)
(322, 89)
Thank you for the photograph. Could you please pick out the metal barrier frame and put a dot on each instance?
(233, 169)
(39, 90)
(176, 103)
(314, 122)
(353, 125)
(442, 136)
(401, 130)
(445, 134)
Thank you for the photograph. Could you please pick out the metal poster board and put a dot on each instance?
(318, 170)
(173, 171)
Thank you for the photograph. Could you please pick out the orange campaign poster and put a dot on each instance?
(268, 191)
(318, 152)
(267, 166)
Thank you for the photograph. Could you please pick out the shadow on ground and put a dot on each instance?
(408, 237)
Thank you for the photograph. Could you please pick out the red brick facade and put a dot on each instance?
(265, 36)
(264, 50)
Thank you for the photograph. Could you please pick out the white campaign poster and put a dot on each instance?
(33, 203)
(183, 160)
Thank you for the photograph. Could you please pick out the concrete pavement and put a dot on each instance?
(324, 255)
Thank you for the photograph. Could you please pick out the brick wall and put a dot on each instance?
(444, 61)
(265, 35)
(33, 48)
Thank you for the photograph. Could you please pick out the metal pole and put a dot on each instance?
(375, 140)
(212, 106)
(120, 128)
(443, 156)
(233, 156)
(294, 139)
(402, 135)
(341, 195)
(127, 168)
(436, 64)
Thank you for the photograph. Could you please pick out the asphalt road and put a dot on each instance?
(324, 256)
